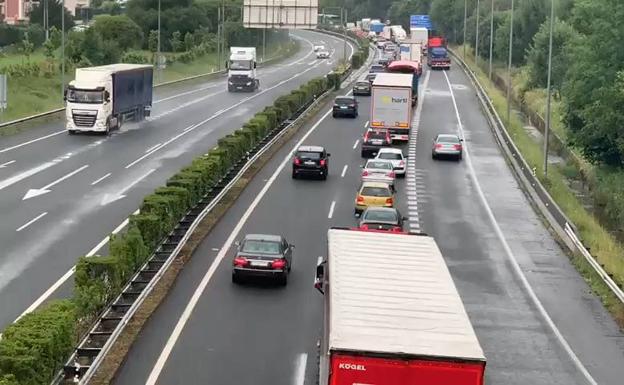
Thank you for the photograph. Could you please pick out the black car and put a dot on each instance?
(377, 68)
(310, 160)
(261, 255)
(345, 105)
(374, 139)
(381, 218)
(362, 88)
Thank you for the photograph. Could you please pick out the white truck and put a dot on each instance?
(392, 313)
(398, 33)
(391, 105)
(366, 24)
(420, 35)
(411, 51)
(386, 33)
(242, 69)
(100, 98)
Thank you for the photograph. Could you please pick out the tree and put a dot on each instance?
(400, 11)
(55, 7)
(176, 41)
(120, 29)
(152, 41)
(26, 46)
(189, 41)
(55, 37)
(48, 49)
(111, 7)
(537, 55)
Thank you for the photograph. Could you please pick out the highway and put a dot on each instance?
(61, 195)
(511, 275)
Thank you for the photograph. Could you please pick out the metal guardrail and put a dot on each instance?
(547, 205)
(164, 84)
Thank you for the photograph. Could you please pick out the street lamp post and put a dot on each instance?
(491, 38)
(158, 60)
(548, 87)
(344, 35)
(509, 62)
(477, 37)
(465, 21)
(63, 50)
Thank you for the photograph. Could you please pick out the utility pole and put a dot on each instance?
(477, 37)
(158, 59)
(263, 43)
(63, 50)
(509, 63)
(45, 19)
(491, 38)
(344, 32)
(465, 21)
(548, 89)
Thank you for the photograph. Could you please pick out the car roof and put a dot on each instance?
(311, 149)
(375, 184)
(345, 97)
(264, 237)
(448, 136)
(377, 160)
(390, 149)
(378, 208)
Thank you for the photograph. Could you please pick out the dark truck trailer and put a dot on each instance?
(438, 57)
(392, 314)
(132, 92)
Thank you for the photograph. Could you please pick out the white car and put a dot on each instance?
(322, 55)
(379, 170)
(394, 156)
(319, 48)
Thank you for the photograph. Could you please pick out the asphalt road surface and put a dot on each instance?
(60, 195)
(210, 331)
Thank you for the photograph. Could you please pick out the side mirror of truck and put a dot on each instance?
(106, 96)
(255, 64)
(320, 276)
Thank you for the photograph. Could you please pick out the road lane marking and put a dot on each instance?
(509, 253)
(44, 297)
(31, 141)
(344, 170)
(331, 210)
(300, 369)
(46, 189)
(366, 124)
(35, 219)
(101, 179)
(153, 147)
(3, 165)
(355, 144)
(185, 93)
(190, 306)
(110, 198)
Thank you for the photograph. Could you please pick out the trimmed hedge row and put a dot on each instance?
(33, 349)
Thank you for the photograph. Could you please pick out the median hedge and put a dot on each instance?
(33, 349)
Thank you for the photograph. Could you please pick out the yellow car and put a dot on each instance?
(373, 194)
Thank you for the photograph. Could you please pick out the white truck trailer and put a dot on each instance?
(392, 313)
(420, 35)
(241, 67)
(100, 98)
(391, 105)
(411, 51)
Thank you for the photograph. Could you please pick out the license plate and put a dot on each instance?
(343, 107)
(260, 263)
(239, 88)
(376, 141)
(310, 162)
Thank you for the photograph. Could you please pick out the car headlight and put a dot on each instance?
(230, 82)
(248, 83)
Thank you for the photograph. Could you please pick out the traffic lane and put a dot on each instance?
(518, 344)
(297, 208)
(182, 155)
(166, 114)
(563, 292)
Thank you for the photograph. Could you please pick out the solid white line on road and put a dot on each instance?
(31, 221)
(3, 165)
(44, 297)
(109, 198)
(355, 144)
(184, 94)
(101, 179)
(46, 189)
(190, 306)
(366, 124)
(300, 369)
(509, 253)
(153, 147)
(344, 170)
(31, 141)
(331, 210)
(26, 174)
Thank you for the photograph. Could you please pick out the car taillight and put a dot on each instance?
(365, 173)
(438, 145)
(240, 261)
(396, 229)
(388, 139)
(389, 201)
(297, 161)
(322, 162)
(457, 146)
(360, 199)
(278, 264)
(391, 174)
(364, 227)
(366, 137)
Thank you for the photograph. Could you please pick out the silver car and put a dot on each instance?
(394, 156)
(379, 170)
(447, 145)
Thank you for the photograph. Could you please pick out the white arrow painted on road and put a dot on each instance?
(46, 189)
(3, 165)
(110, 198)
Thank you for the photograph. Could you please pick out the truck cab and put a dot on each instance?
(242, 69)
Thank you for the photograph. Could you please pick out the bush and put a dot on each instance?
(150, 227)
(135, 58)
(33, 349)
(97, 281)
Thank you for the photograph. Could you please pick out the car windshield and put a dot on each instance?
(309, 155)
(362, 84)
(379, 165)
(380, 215)
(376, 135)
(370, 191)
(344, 101)
(448, 139)
(261, 247)
(438, 52)
(82, 96)
(390, 155)
(240, 65)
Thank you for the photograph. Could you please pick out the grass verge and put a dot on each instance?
(604, 247)
(116, 356)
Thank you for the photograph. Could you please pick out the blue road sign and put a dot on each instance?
(421, 21)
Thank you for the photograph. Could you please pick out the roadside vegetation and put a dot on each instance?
(188, 42)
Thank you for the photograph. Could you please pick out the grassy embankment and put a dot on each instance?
(607, 250)
(32, 95)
